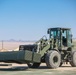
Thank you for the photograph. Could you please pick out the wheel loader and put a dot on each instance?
(54, 51)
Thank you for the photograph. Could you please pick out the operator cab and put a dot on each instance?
(63, 35)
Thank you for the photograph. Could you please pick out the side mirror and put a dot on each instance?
(48, 32)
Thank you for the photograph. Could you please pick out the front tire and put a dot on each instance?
(61, 64)
(53, 59)
(33, 65)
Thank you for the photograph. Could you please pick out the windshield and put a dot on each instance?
(53, 34)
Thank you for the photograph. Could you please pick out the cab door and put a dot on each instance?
(69, 38)
(64, 38)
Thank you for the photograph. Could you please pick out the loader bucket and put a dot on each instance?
(20, 56)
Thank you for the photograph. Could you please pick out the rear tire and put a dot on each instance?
(33, 65)
(73, 61)
(53, 59)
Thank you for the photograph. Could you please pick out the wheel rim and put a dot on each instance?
(55, 59)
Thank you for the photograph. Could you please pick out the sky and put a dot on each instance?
(30, 19)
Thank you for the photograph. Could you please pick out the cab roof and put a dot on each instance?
(59, 28)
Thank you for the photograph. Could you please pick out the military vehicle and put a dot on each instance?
(53, 51)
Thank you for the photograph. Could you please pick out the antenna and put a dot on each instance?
(2, 45)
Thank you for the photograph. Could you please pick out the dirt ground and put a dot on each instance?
(22, 69)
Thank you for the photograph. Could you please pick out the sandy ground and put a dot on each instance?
(12, 45)
(22, 69)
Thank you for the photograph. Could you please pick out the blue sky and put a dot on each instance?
(30, 19)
